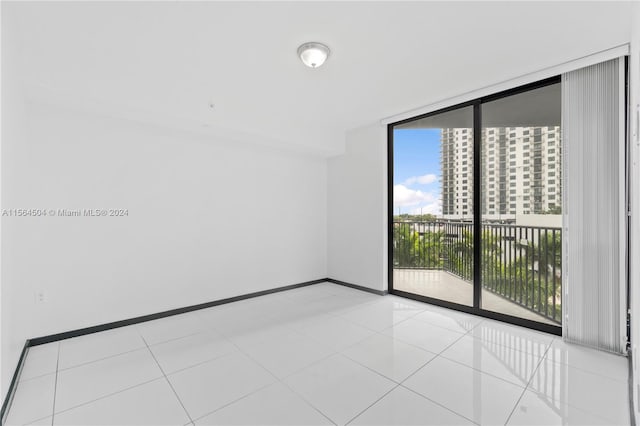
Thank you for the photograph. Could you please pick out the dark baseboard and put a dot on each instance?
(123, 323)
(14, 383)
(357, 287)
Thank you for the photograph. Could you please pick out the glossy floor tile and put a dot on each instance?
(519, 338)
(429, 337)
(274, 405)
(536, 409)
(339, 387)
(598, 395)
(88, 382)
(380, 316)
(170, 328)
(336, 332)
(33, 400)
(214, 384)
(404, 407)
(448, 319)
(288, 353)
(478, 396)
(392, 358)
(503, 362)
(93, 347)
(189, 351)
(597, 362)
(41, 360)
(320, 355)
(152, 403)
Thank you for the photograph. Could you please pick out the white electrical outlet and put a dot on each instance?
(40, 296)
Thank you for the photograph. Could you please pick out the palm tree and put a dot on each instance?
(533, 272)
(549, 252)
(405, 246)
(413, 249)
(432, 249)
(460, 252)
(492, 265)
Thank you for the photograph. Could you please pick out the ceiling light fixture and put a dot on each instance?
(313, 54)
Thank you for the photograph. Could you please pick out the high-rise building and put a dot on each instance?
(521, 172)
(457, 173)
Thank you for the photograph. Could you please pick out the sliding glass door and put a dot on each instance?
(433, 206)
(475, 207)
(522, 205)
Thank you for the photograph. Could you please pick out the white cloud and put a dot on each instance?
(422, 180)
(434, 208)
(406, 197)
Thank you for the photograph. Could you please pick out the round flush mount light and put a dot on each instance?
(313, 54)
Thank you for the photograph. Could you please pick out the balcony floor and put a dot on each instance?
(446, 286)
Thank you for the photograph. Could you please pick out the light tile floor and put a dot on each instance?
(320, 355)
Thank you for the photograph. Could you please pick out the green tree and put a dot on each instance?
(460, 253)
(432, 249)
(536, 274)
(413, 249)
(405, 244)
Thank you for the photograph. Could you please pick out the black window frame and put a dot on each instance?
(476, 308)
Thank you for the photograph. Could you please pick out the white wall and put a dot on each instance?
(634, 255)
(207, 220)
(13, 128)
(357, 210)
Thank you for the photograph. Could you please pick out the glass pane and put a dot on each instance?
(433, 206)
(522, 205)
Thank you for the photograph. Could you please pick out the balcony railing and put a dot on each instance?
(519, 263)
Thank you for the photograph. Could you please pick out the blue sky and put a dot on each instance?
(416, 174)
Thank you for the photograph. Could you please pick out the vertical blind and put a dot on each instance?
(594, 305)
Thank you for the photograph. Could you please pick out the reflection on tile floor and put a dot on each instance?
(320, 355)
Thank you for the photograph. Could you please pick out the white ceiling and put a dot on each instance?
(165, 62)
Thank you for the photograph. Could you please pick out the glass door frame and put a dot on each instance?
(476, 309)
